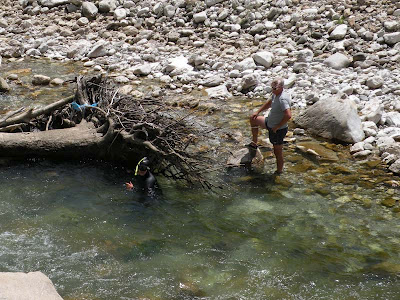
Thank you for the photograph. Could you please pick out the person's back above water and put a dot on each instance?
(145, 182)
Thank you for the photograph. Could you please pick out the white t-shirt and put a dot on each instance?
(278, 106)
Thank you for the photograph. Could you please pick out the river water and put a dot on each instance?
(318, 232)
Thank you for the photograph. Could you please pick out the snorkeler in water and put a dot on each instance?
(144, 182)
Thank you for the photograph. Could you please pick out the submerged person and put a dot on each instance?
(145, 182)
(275, 123)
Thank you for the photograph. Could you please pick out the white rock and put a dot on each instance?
(305, 55)
(246, 64)
(395, 167)
(268, 25)
(392, 38)
(248, 81)
(98, 50)
(89, 10)
(120, 14)
(213, 2)
(264, 58)
(106, 6)
(40, 80)
(33, 285)
(375, 82)
(200, 17)
(178, 65)
(169, 11)
(337, 61)
(143, 70)
(83, 21)
(363, 153)
(357, 147)
(372, 111)
(393, 118)
(218, 92)
(339, 32)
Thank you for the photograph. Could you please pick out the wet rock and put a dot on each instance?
(245, 157)
(4, 87)
(56, 82)
(387, 267)
(333, 119)
(388, 202)
(317, 150)
(40, 80)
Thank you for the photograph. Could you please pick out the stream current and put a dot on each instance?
(258, 238)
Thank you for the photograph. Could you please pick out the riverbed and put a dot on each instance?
(321, 231)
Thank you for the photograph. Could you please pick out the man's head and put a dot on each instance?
(277, 86)
(143, 166)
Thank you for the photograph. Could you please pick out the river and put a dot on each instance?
(319, 232)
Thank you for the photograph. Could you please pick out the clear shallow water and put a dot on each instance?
(257, 240)
(319, 233)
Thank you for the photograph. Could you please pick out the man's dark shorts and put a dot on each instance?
(276, 138)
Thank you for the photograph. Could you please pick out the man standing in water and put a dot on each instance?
(276, 122)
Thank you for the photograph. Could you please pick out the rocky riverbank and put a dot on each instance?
(342, 55)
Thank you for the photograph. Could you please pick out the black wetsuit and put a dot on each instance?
(147, 187)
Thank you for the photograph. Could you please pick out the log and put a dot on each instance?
(79, 141)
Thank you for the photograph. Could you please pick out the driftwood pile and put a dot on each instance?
(101, 123)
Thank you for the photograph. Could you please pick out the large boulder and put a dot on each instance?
(333, 119)
(33, 285)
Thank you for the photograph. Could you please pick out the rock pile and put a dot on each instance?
(338, 49)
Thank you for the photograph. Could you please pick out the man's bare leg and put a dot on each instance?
(255, 123)
(278, 151)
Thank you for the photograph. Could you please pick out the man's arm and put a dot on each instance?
(287, 115)
(265, 106)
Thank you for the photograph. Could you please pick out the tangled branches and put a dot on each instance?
(150, 127)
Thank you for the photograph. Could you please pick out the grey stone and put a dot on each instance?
(392, 38)
(200, 17)
(4, 87)
(53, 3)
(98, 50)
(249, 81)
(264, 58)
(375, 82)
(169, 11)
(106, 6)
(339, 32)
(337, 61)
(33, 285)
(218, 92)
(333, 119)
(393, 118)
(120, 14)
(89, 10)
(395, 167)
(40, 80)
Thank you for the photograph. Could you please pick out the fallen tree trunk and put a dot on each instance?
(109, 126)
(80, 141)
